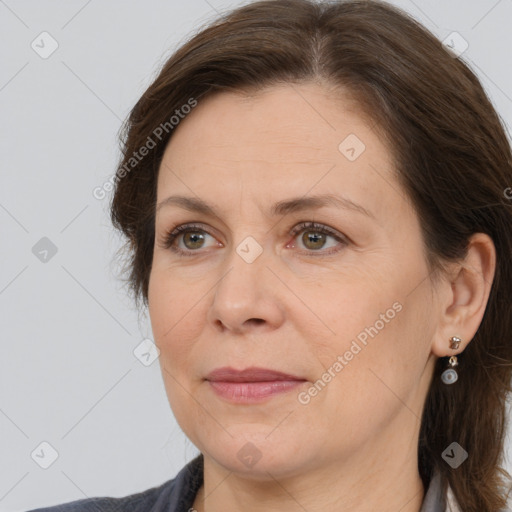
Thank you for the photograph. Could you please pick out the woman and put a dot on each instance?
(315, 201)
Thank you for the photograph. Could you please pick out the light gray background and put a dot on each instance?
(68, 375)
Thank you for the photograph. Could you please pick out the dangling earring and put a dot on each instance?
(450, 375)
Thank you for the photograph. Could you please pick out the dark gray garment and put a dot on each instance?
(178, 494)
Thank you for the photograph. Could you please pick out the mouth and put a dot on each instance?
(252, 384)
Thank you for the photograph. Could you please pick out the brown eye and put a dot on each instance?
(315, 237)
(193, 240)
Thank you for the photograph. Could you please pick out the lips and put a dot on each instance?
(252, 374)
(252, 385)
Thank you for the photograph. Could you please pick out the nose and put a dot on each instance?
(247, 296)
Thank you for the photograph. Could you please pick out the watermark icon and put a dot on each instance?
(146, 352)
(249, 454)
(151, 142)
(44, 45)
(249, 249)
(455, 455)
(508, 193)
(44, 250)
(44, 455)
(304, 397)
(455, 44)
(351, 147)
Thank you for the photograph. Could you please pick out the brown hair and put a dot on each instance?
(452, 158)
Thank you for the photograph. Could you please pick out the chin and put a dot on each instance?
(252, 452)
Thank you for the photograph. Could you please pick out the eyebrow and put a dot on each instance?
(281, 208)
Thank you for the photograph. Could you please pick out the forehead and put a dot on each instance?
(306, 117)
(287, 139)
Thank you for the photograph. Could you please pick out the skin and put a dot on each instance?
(296, 308)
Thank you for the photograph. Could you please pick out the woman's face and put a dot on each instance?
(349, 313)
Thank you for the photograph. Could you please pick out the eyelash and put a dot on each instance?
(171, 236)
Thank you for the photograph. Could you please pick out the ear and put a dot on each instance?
(463, 296)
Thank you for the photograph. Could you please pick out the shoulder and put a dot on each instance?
(134, 503)
(172, 495)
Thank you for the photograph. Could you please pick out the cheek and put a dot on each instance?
(374, 382)
(354, 306)
(177, 318)
(174, 320)
(390, 353)
(376, 324)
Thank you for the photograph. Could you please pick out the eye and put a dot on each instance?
(193, 237)
(314, 236)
